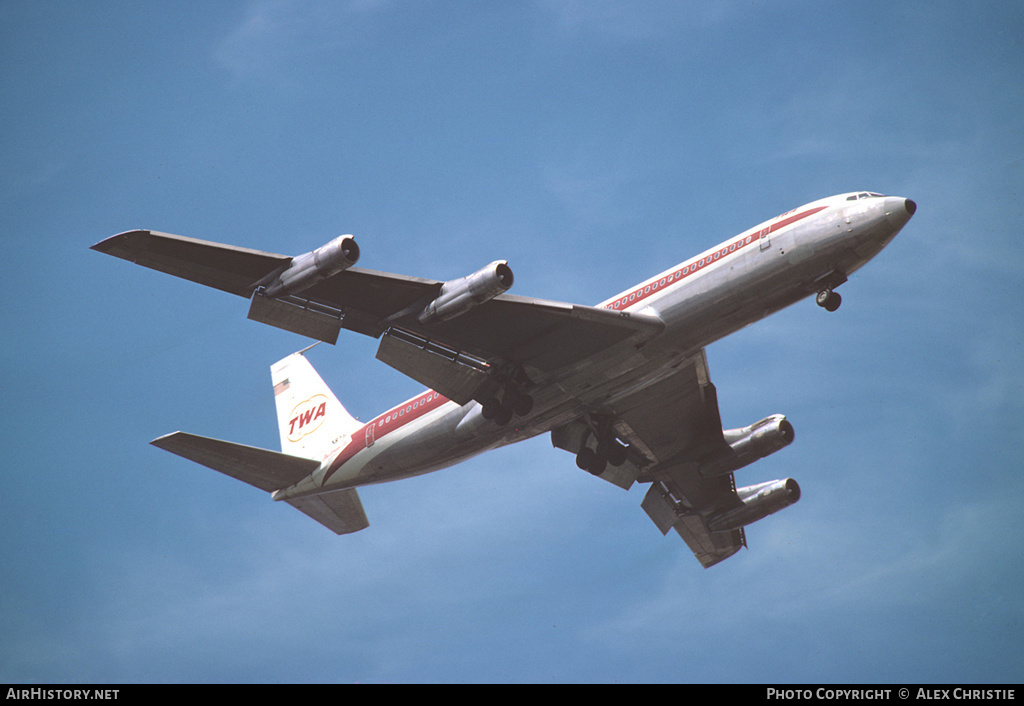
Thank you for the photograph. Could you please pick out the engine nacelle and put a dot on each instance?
(759, 501)
(306, 270)
(749, 444)
(458, 296)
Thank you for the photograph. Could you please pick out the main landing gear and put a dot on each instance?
(596, 461)
(828, 300)
(513, 402)
(609, 450)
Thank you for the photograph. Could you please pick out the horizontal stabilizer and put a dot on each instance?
(340, 511)
(266, 470)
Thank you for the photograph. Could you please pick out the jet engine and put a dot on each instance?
(458, 296)
(306, 270)
(749, 444)
(759, 501)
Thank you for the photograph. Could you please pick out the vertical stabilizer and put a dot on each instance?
(312, 422)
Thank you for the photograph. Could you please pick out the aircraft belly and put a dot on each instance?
(441, 440)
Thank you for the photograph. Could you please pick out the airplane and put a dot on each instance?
(623, 385)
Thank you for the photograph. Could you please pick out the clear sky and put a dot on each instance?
(592, 144)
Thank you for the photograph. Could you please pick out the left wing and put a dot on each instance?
(675, 424)
(675, 427)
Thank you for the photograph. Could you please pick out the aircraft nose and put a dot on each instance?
(898, 210)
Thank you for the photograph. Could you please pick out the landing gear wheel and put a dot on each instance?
(503, 416)
(490, 408)
(585, 458)
(523, 405)
(519, 402)
(613, 451)
(828, 300)
(591, 461)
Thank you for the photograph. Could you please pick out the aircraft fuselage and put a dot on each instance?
(804, 252)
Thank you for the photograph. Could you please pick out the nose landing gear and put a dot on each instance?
(828, 300)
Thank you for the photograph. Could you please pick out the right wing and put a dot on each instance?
(225, 267)
(510, 332)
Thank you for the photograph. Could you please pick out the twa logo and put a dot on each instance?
(307, 417)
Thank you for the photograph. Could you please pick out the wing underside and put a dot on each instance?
(533, 335)
(674, 423)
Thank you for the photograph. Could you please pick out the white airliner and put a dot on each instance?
(623, 385)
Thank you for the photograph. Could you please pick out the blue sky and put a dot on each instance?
(592, 144)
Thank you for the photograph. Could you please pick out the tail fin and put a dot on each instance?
(311, 420)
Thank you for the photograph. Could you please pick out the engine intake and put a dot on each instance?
(750, 444)
(458, 296)
(306, 270)
(759, 501)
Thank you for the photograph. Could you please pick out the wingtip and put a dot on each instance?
(160, 441)
(115, 241)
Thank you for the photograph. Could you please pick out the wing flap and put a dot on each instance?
(666, 505)
(459, 382)
(543, 335)
(340, 511)
(292, 316)
(261, 468)
(709, 547)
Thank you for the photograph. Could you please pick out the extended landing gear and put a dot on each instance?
(597, 461)
(514, 402)
(828, 300)
(609, 451)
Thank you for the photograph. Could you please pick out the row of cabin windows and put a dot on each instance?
(684, 271)
(408, 409)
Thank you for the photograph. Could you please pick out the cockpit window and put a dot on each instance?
(863, 195)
